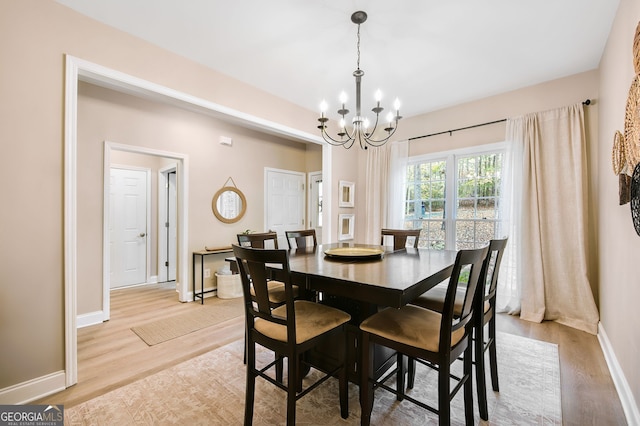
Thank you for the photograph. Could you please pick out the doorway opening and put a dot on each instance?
(314, 215)
(167, 223)
(168, 245)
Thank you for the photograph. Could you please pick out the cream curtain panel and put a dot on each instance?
(377, 174)
(548, 238)
(384, 189)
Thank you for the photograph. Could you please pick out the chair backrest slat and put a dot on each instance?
(302, 238)
(259, 240)
(492, 267)
(400, 237)
(255, 266)
(488, 283)
(465, 274)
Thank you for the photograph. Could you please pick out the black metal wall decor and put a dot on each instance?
(635, 198)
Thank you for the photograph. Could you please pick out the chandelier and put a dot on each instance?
(360, 130)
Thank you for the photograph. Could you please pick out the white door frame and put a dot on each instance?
(311, 179)
(182, 277)
(163, 182)
(77, 69)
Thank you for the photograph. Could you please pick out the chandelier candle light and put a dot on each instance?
(360, 125)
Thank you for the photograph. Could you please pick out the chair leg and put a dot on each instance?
(250, 353)
(366, 386)
(245, 346)
(292, 387)
(343, 382)
(493, 356)
(468, 385)
(481, 378)
(444, 389)
(411, 373)
(400, 376)
(279, 367)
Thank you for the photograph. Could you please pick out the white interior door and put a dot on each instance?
(172, 229)
(167, 224)
(128, 226)
(315, 204)
(284, 198)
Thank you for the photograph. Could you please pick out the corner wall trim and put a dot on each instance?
(91, 318)
(37, 388)
(627, 400)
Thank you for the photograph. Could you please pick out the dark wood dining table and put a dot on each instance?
(392, 279)
(363, 285)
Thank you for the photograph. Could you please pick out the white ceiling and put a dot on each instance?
(430, 54)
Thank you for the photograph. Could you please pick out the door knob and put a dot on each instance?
(142, 234)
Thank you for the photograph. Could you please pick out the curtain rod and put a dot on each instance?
(587, 102)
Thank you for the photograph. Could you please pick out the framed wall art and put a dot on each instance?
(346, 192)
(345, 226)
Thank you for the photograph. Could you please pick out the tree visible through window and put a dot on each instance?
(425, 202)
(477, 211)
(454, 199)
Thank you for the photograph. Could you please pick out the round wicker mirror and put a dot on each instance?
(229, 204)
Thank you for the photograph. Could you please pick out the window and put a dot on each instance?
(455, 197)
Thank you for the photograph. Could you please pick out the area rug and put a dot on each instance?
(213, 311)
(209, 390)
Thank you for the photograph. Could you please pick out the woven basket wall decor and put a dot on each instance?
(632, 125)
(636, 50)
(618, 153)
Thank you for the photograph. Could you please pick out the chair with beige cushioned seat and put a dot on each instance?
(277, 296)
(434, 339)
(289, 330)
(486, 302)
(400, 237)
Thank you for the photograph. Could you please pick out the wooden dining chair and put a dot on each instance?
(289, 330)
(277, 295)
(432, 338)
(302, 238)
(400, 237)
(485, 314)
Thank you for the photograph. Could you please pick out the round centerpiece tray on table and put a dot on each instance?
(354, 252)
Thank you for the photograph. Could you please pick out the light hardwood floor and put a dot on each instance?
(110, 355)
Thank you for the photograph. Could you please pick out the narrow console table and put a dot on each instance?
(202, 254)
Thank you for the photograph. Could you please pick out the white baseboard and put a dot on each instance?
(92, 318)
(629, 405)
(34, 389)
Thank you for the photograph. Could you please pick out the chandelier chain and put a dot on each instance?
(358, 48)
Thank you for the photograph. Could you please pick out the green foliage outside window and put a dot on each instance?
(476, 200)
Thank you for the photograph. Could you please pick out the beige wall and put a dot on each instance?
(618, 241)
(34, 37)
